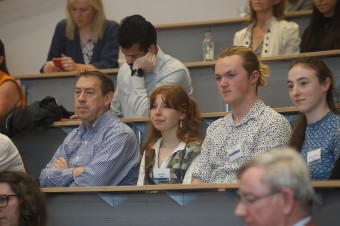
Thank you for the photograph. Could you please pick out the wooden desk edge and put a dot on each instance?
(220, 187)
(76, 122)
(207, 115)
(279, 58)
(60, 74)
(190, 65)
(216, 22)
(144, 188)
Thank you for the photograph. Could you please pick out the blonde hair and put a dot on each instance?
(251, 62)
(97, 22)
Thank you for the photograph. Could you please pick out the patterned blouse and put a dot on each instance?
(258, 50)
(324, 134)
(87, 50)
(228, 146)
(180, 162)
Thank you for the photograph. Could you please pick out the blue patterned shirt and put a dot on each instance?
(324, 134)
(108, 150)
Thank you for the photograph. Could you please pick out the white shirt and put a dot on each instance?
(156, 147)
(281, 37)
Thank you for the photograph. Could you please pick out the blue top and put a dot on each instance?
(324, 134)
(108, 150)
(105, 51)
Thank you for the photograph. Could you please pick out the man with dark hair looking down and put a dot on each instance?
(146, 67)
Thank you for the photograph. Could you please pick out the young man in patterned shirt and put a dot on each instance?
(251, 127)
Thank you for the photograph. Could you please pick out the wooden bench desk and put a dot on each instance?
(275, 94)
(209, 23)
(187, 205)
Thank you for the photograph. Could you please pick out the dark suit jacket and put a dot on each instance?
(311, 223)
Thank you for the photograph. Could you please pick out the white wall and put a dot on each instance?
(27, 25)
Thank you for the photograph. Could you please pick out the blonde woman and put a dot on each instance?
(85, 40)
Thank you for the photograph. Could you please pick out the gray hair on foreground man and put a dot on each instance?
(275, 189)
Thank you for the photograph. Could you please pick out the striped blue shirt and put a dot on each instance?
(108, 150)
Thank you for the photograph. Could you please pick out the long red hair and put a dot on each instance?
(174, 97)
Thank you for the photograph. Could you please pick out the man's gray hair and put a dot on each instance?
(285, 168)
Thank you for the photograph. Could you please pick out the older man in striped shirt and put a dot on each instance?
(102, 151)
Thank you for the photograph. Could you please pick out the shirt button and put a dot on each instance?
(86, 142)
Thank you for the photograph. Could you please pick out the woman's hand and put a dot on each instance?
(68, 63)
(50, 67)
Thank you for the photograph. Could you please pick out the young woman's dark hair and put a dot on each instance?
(318, 38)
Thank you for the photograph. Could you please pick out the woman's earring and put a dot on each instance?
(180, 124)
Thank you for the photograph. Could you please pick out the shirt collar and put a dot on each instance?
(157, 145)
(99, 123)
(254, 113)
(321, 120)
(270, 21)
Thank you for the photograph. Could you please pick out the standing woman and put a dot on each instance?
(317, 131)
(269, 34)
(21, 201)
(173, 141)
(85, 40)
(11, 94)
(323, 32)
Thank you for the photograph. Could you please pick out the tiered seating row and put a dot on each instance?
(191, 205)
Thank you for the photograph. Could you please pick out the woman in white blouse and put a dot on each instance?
(269, 34)
(173, 141)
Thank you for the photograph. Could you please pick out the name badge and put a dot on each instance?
(314, 157)
(235, 152)
(162, 174)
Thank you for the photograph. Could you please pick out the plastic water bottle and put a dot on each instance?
(208, 47)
